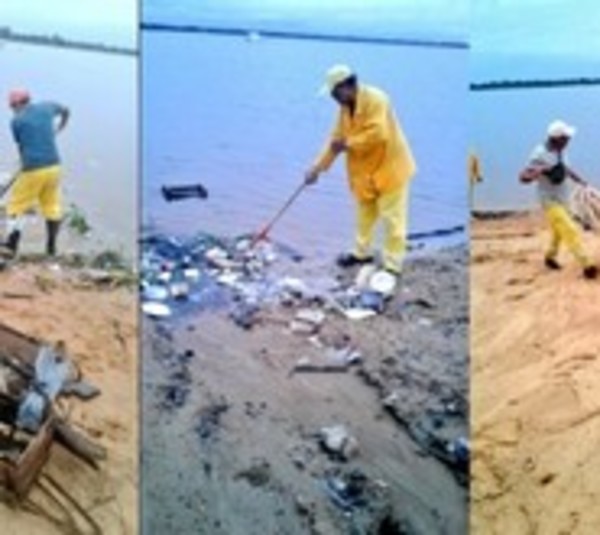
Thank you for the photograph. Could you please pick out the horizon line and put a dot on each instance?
(303, 35)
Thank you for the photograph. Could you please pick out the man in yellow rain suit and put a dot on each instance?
(34, 127)
(379, 164)
(549, 168)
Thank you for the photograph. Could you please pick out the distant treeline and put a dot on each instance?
(280, 34)
(533, 84)
(7, 33)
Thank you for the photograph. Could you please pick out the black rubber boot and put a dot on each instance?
(13, 241)
(551, 263)
(590, 272)
(348, 260)
(52, 228)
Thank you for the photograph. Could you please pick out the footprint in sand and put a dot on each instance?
(565, 368)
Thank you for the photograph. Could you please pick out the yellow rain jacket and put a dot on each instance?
(379, 160)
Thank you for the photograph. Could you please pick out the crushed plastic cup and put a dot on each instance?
(156, 310)
(155, 292)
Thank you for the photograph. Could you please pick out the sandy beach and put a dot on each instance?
(229, 434)
(535, 377)
(99, 327)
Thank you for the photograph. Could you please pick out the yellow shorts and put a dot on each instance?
(39, 187)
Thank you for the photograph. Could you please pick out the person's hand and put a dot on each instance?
(529, 174)
(339, 145)
(311, 176)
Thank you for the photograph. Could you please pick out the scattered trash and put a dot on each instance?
(359, 313)
(51, 372)
(155, 292)
(425, 322)
(245, 315)
(82, 389)
(435, 433)
(347, 355)
(311, 316)
(335, 360)
(296, 287)
(179, 287)
(32, 376)
(383, 283)
(156, 310)
(305, 365)
(371, 300)
(240, 270)
(348, 491)
(179, 193)
(337, 441)
(460, 449)
(363, 278)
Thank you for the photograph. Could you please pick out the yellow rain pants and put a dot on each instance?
(392, 209)
(564, 230)
(38, 187)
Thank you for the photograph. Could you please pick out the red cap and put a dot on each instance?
(18, 96)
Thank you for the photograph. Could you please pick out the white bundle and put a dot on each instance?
(585, 203)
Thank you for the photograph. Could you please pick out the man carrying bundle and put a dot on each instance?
(548, 167)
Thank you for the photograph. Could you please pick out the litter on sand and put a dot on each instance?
(155, 309)
(246, 276)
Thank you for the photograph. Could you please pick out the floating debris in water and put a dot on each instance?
(179, 193)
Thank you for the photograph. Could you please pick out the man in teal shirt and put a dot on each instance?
(34, 128)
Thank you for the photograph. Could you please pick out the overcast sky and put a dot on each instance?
(549, 27)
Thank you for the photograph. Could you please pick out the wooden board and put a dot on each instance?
(18, 476)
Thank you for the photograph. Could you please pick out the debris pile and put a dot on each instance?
(248, 277)
(32, 377)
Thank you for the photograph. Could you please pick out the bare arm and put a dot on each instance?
(575, 177)
(532, 172)
(63, 117)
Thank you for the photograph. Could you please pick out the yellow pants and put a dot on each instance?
(392, 209)
(564, 230)
(39, 187)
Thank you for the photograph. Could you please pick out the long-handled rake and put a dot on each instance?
(267, 228)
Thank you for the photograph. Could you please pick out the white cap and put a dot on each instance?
(334, 76)
(560, 129)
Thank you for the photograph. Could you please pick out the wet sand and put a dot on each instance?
(535, 379)
(229, 441)
(98, 325)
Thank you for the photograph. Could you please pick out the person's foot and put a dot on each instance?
(348, 260)
(590, 272)
(551, 263)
